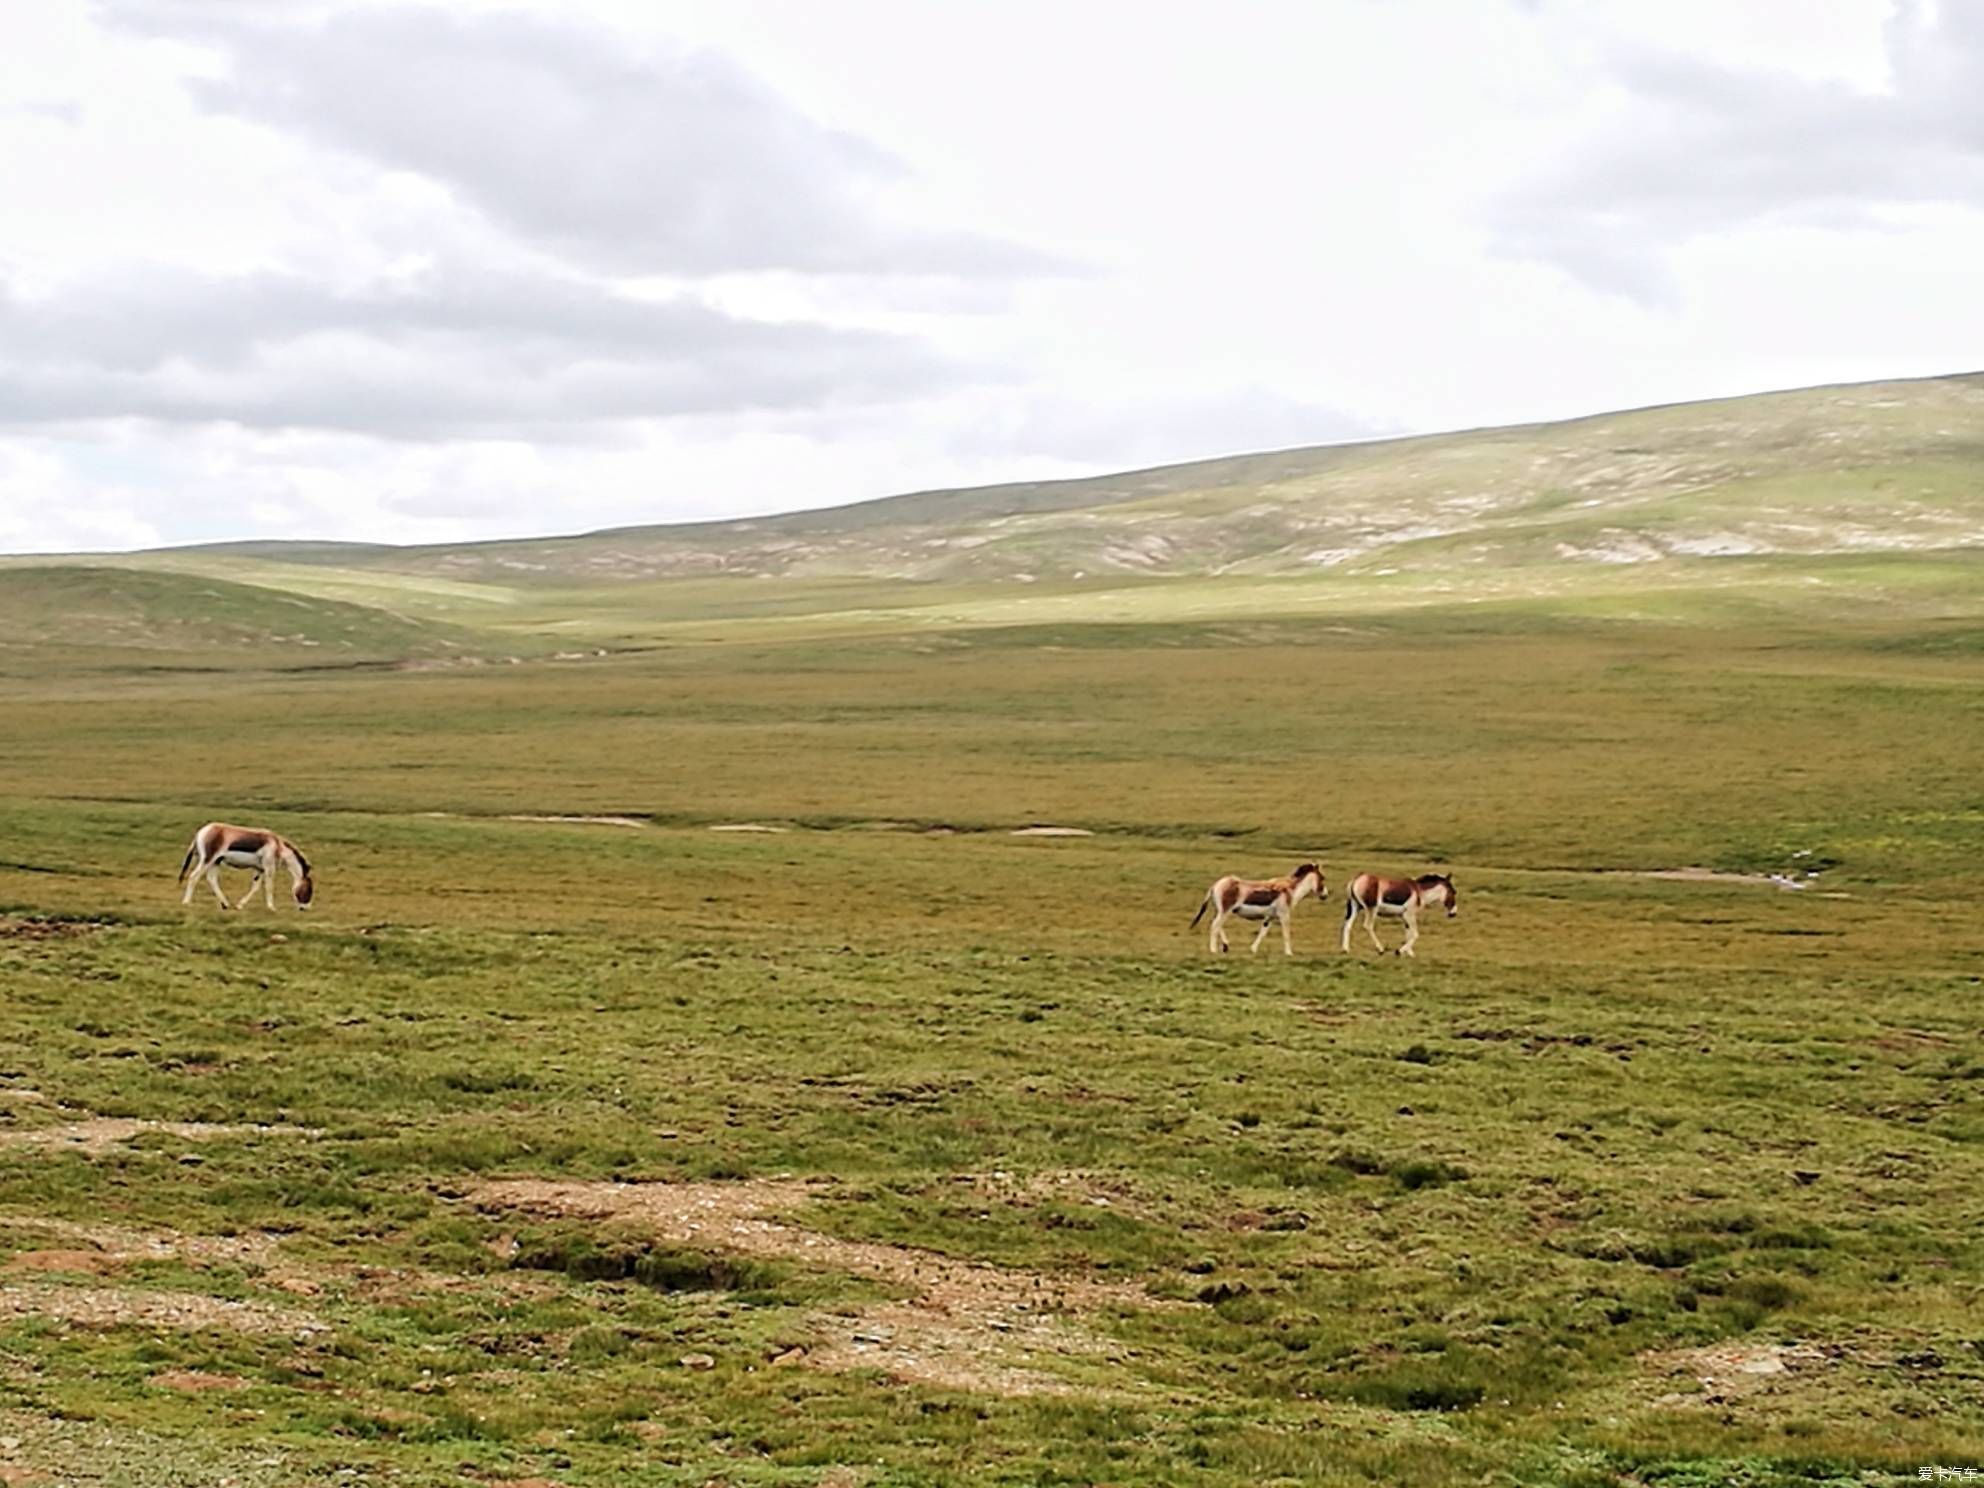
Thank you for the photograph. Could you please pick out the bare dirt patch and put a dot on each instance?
(748, 827)
(96, 1133)
(1052, 832)
(110, 1249)
(1717, 875)
(130, 1307)
(196, 1381)
(113, 1246)
(968, 1325)
(13, 927)
(583, 821)
(1729, 1372)
(1096, 1190)
(76, 1262)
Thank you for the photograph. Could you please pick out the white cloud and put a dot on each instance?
(637, 158)
(358, 268)
(1702, 146)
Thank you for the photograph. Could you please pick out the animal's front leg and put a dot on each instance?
(1411, 932)
(248, 895)
(1371, 928)
(213, 882)
(1261, 935)
(1287, 940)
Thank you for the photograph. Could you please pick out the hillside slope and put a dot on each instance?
(130, 616)
(1872, 467)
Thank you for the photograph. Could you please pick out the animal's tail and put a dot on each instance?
(1204, 904)
(191, 853)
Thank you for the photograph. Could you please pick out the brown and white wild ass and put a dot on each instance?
(1377, 895)
(1269, 900)
(218, 845)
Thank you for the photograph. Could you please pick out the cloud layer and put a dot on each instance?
(447, 351)
(636, 161)
(1702, 146)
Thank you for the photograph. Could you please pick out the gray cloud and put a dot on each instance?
(450, 353)
(1709, 148)
(629, 162)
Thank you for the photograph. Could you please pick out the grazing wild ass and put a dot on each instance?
(218, 845)
(1376, 895)
(1269, 900)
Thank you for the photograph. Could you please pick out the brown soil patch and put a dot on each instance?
(96, 1133)
(968, 1325)
(12, 1474)
(1052, 832)
(115, 1246)
(1736, 1371)
(15, 928)
(81, 1262)
(129, 1307)
(111, 1248)
(196, 1381)
(1096, 1190)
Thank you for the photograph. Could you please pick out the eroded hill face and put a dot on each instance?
(1873, 467)
(1805, 508)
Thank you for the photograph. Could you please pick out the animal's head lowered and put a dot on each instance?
(302, 885)
(1308, 879)
(1438, 888)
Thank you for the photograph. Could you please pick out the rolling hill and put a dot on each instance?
(87, 613)
(1872, 467)
(1805, 507)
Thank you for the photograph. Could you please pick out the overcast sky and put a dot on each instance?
(420, 272)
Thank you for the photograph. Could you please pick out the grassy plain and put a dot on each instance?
(1626, 1180)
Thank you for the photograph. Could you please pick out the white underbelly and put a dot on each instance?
(239, 860)
(1254, 911)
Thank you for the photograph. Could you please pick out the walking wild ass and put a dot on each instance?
(1269, 900)
(1377, 895)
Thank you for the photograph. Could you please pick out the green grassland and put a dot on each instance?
(1449, 1220)
(1626, 1180)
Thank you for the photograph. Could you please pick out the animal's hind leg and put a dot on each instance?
(1371, 928)
(192, 882)
(1217, 940)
